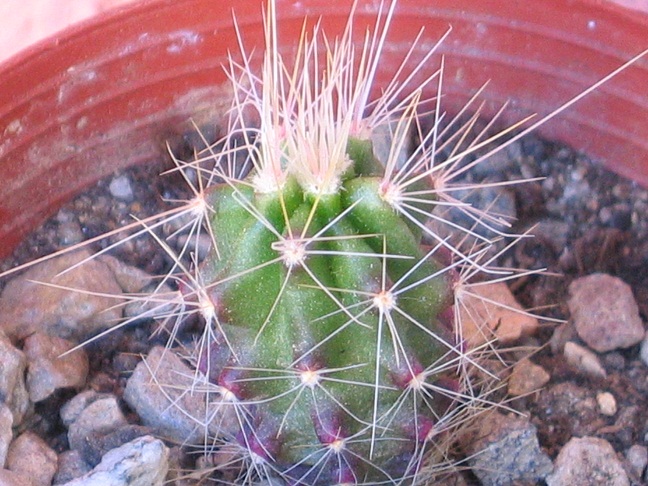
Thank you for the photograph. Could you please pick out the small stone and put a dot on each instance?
(584, 360)
(120, 188)
(482, 320)
(70, 233)
(27, 307)
(31, 457)
(163, 399)
(607, 403)
(605, 313)
(6, 433)
(587, 460)
(133, 280)
(73, 408)
(102, 443)
(504, 449)
(626, 422)
(13, 392)
(130, 279)
(142, 462)
(71, 465)
(160, 303)
(48, 370)
(99, 417)
(562, 334)
(614, 361)
(637, 459)
(526, 378)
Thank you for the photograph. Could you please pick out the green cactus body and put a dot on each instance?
(330, 307)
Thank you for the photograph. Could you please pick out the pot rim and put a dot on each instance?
(590, 37)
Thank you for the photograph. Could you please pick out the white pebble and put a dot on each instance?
(584, 360)
(141, 462)
(120, 188)
(607, 403)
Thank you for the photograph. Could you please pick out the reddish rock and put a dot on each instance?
(605, 313)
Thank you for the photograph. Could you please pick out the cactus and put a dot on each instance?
(332, 348)
(330, 326)
(330, 341)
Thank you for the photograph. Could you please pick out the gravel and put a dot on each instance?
(586, 400)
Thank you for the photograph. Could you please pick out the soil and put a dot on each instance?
(588, 220)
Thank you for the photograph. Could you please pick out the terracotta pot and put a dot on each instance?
(106, 94)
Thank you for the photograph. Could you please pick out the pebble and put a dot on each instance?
(13, 391)
(131, 279)
(69, 231)
(607, 403)
(100, 417)
(562, 334)
(605, 313)
(6, 433)
(27, 307)
(48, 370)
(637, 460)
(71, 465)
(164, 401)
(73, 408)
(142, 462)
(482, 320)
(614, 361)
(31, 457)
(584, 360)
(625, 424)
(120, 188)
(161, 302)
(552, 231)
(526, 378)
(587, 461)
(504, 449)
(101, 443)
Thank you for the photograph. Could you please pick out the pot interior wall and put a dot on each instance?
(108, 93)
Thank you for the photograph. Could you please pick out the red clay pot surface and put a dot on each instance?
(107, 93)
